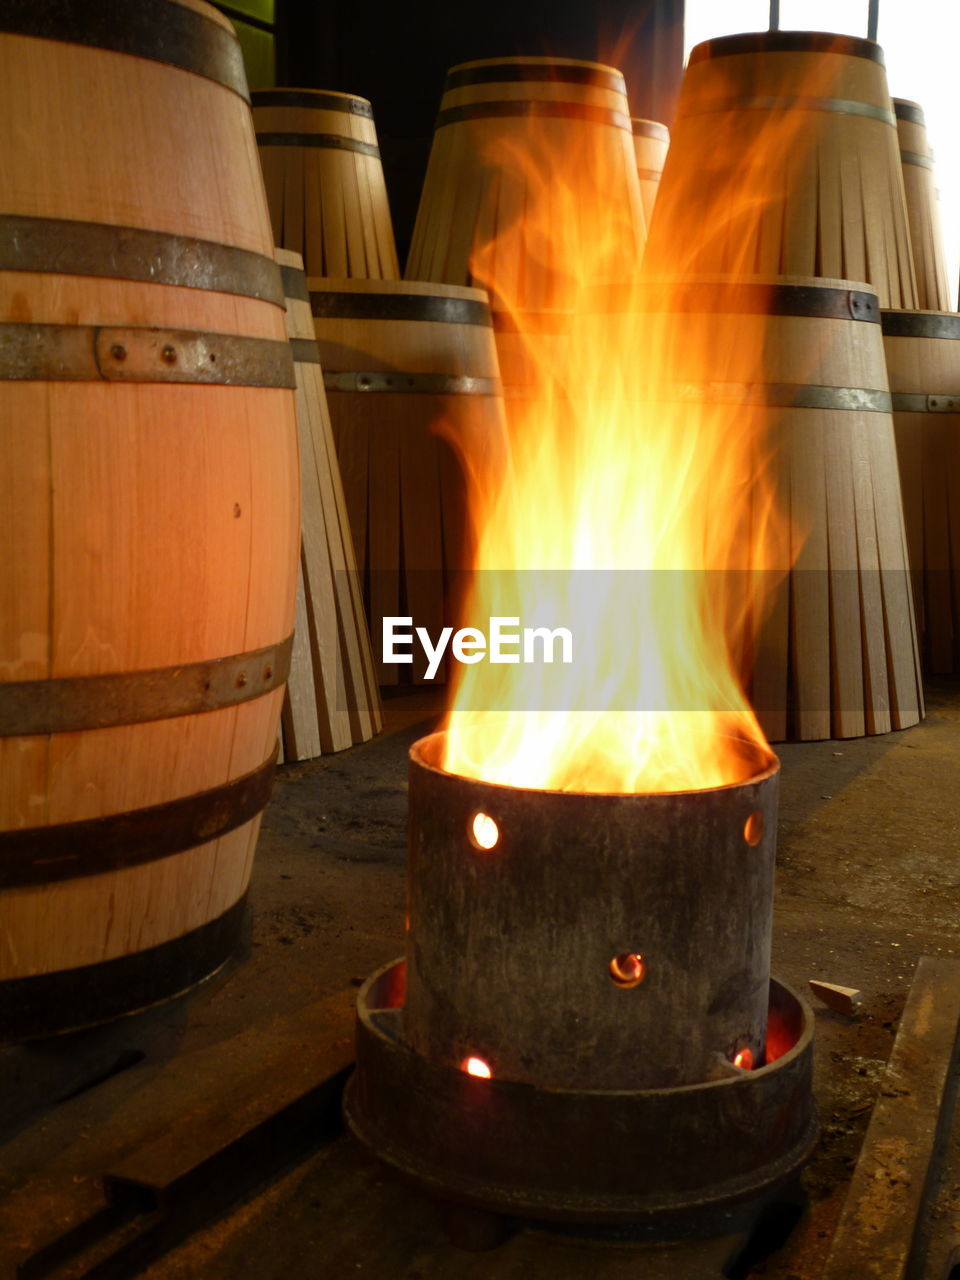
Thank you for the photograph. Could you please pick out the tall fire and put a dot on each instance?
(587, 980)
(635, 513)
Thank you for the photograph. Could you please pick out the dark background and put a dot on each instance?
(397, 55)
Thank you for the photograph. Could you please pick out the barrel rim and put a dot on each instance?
(534, 60)
(786, 42)
(316, 99)
(588, 75)
(155, 30)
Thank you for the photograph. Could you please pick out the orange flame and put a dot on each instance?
(476, 1067)
(609, 465)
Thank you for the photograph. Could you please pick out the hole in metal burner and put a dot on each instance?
(744, 1060)
(753, 828)
(484, 832)
(476, 1067)
(628, 970)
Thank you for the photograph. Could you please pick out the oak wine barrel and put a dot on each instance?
(148, 552)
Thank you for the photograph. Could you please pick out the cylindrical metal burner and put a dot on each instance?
(605, 1156)
(609, 942)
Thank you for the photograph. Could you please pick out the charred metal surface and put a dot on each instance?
(598, 1156)
(509, 949)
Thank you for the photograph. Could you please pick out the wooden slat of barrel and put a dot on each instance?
(501, 120)
(347, 703)
(923, 208)
(398, 358)
(780, 126)
(156, 520)
(325, 183)
(923, 360)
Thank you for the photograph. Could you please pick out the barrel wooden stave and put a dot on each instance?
(347, 704)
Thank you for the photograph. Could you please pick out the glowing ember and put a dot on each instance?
(744, 1060)
(628, 970)
(753, 829)
(611, 465)
(484, 831)
(476, 1067)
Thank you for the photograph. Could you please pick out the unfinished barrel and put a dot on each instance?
(324, 180)
(518, 142)
(923, 362)
(332, 700)
(796, 366)
(401, 360)
(784, 161)
(923, 208)
(651, 140)
(149, 462)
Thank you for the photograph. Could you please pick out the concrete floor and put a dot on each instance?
(868, 877)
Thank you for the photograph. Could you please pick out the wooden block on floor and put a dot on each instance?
(875, 1236)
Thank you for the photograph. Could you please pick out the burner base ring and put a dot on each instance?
(576, 1155)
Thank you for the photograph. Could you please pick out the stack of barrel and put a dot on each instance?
(846, 239)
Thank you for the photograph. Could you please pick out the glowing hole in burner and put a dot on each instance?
(484, 832)
(476, 1067)
(744, 1060)
(753, 828)
(628, 970)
